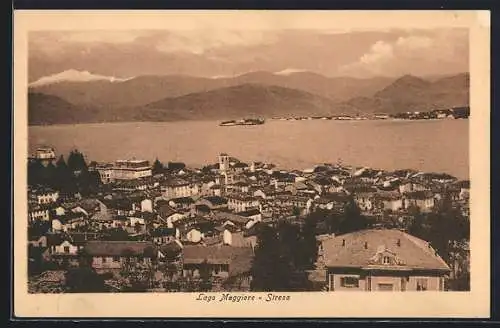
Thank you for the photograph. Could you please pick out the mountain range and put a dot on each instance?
(81, 97)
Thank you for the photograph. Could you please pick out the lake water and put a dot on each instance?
(434, 145)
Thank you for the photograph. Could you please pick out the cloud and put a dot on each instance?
(101, 36)
(379, 51)
(212, 51)
(414, 42)
(199, 42)
(426, 53)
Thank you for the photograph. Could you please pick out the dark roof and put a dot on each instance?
(240, 184)
(117, 248)
(414, 252)
(119, 204)
(216, 200)
(249, 213)
(171, 250)
(240, 165)
(165, 211)
(203, 208)
(163, 231)
(182, 200)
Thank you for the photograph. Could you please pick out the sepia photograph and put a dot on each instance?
(252, 162)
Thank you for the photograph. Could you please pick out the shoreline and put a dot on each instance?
(218, 121)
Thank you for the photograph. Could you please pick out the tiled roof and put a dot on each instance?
(413, 251)
(216, 200)
(117, 248)
(238, 258)
(235, 218)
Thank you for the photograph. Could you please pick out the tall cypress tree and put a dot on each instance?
(76, 162)
(64, 177)
(35, 172)
(308, 249)
(48, 176)
(157, 167)
(272, 267)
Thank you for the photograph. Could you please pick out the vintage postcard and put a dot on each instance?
(251, 164)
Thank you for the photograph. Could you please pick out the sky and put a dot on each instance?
(228, 52)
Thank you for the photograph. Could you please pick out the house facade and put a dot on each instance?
(114, 256)
(381, 260)
(242, 203)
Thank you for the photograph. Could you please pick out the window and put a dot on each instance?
(116, 259)
(349, 282)
(386, 260)
(403, 284)
(66, 249)
(331, 280)
(385, 287)
(441, 283)
(103, 260)
(421, 284)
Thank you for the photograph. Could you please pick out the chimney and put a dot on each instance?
(366, 245)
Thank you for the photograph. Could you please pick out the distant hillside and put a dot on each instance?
(47, 109)
(247, 100)
(160, 98)
(142, 90)
(410, 93)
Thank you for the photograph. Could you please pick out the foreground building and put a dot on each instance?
(381, 260)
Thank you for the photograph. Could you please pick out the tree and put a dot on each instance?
(271, 268)
(35, 260)
(352, 219)
(205, 277)
(157, 167)
(76, 162)
(48, 176)
(65, 180)
(308, 250)
(35, 172)
(84, 280)
(290, 242)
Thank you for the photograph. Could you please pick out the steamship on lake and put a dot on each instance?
(245, 121)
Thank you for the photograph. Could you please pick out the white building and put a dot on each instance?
(47, 197)
(45, 153)
(124, 170)
(131, 169)
(242, 203)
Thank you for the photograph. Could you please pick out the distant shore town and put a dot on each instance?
(437, 114)
(137, 226)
